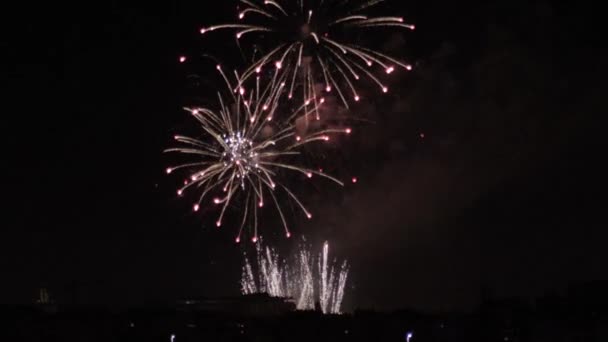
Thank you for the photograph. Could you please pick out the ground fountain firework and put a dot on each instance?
(306, 279)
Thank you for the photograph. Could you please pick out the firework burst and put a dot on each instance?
(245, 151)
(298, 278)
(312, 42)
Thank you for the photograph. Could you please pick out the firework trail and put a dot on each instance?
(245, 149)
(297, 279)
(312, 42)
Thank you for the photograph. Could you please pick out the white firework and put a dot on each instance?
(245, 149)
(297, 278)
(313, 42)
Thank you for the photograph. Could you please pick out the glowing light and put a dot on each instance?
(357, 98)
(384, 89)
(348, 131)
(180, 192)
(354, 180)
(237, 240)
(422, 135)
(182, 59)
(169, 170)
(243, 154)
(254, 239)
(305, 278)
(334, 61)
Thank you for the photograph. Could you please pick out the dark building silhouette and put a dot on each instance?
(248, 305)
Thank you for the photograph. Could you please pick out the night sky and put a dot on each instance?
(479, 176)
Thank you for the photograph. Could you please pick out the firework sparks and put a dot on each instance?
(246, 148)
(297, 279)
(308, 42)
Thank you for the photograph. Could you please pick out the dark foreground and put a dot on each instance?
(549, 319)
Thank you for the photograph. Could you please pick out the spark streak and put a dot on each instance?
(321, 36)
(244, 154)
(297, 279)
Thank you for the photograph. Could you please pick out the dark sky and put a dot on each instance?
(503, 196)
